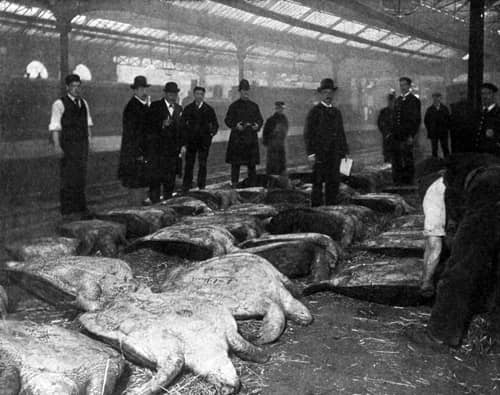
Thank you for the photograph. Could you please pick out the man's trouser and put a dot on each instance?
(191, 152)
(443, 140)
(235, 174)
(166, 180)
(328, 173)
(403, 166)
(73, 176)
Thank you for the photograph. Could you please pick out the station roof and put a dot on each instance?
(282, 29)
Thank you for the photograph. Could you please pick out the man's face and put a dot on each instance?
(279, 109)
(141, 92)
(436, 100)
(171, 97)
(74, 89)
(487, 96)
(404, 86)
(327, 95)
(199, 95)
(244, 94)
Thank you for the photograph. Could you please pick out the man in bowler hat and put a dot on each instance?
(69, 126)
(165, 141)
(273, 138)
(326, 145)
(407, 119)
(245, 120)
(487, 138)
(437, 123)
(131, 170)
(200, 125)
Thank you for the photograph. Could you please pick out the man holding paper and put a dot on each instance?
(326, 145)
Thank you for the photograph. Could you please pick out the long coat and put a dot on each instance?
(462, 127)
(165, 138)
(133, 147)
(437, 121)
(324, 133)
(487, 139)
(407, 117)
(273, 137)
(243, 146)
(200, 125)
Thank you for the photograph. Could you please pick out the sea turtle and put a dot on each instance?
(252, 194)
(216, 199)
(298, 254)
(141, 221)
(346, 193)
(384, 203)
(393, 281)
(246, 284)
(197, 242)
(242, 227)
(366, 215)
(348, 218)
(408, 222)
(169, 331)
(261, 211)
(289, 196)
(47, 359)
(399, 243)
(187, 205)
(339, 228)
(96, 235)
(79, 282)
(42, 247)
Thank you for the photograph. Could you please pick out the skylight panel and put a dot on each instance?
(414, 44)
(271, 23)
(285, 54)
(431, 49)
(357, 45)
(193, 5)
(331, 39)
(349, 27)
(448, 53)
(322, 18)
(394, 39)
(290, 8)
(263, 51)
(79, 20)
(379, 49)
(229, 12)
(46, 14)
(373, 34)
(304, 32)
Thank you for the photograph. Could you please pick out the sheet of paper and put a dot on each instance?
(345, 166)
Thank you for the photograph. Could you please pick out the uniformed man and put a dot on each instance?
(385, 122)
(437, 123)
(245, 120)
(461, 125)
(407, 120)
(487, 137)
(273, 138)
(165, 143)
(326, 145)
(70, 127)
(200, 125)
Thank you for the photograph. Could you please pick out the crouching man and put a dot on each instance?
(469, 283)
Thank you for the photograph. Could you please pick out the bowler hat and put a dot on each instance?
(279, 103)
(171, 87)
(244, 85)
(327, 83)
(407, 79)
(490, 86)
(199, 88)
(72, 78)
(436, 94)
(140, 82)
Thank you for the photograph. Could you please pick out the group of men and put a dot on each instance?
(156, 135)
(399, 123)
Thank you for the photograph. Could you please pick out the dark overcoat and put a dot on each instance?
(407, 117)
(324, 133)
(243, 146)
(131, 170)
(164, 141)
(487, 139)
(437, 121)
(273, 137)
(200, 125)
(462, 127)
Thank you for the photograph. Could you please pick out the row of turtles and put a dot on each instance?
(242, 247)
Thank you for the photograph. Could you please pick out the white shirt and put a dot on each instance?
(58, 111)
(326, 104)
(491, 107)
(200, 105)
(170, 107)
(403, 95)
(435, 209)
(144, 102)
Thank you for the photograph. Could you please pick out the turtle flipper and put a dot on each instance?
(320, 268)
(10, 380)
(273, 324)
(294, 309)
(244, 349)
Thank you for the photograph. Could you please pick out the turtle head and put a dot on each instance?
(106, 244)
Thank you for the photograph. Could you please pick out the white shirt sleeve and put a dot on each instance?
(435, 209)
(89, 118)
(56, 115)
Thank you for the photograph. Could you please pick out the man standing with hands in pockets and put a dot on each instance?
(326, 145)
